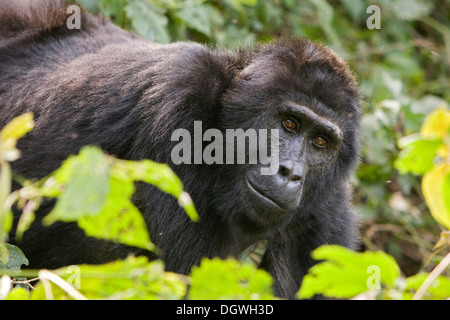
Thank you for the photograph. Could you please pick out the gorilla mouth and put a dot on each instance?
(262, 196)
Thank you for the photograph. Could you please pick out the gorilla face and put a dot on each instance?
(315, 123)
(306, 141)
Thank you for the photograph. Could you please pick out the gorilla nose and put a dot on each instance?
(284, 189)
(290, 171)
(288, 182)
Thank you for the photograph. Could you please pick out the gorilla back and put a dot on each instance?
(104, 86)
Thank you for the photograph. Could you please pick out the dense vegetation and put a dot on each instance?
(402, 187)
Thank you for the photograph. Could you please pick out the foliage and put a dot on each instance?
(419, 155)
(132, 278)
(8, 152)
(345, 273)
(218, 279)
(94, 190)
(403, 70)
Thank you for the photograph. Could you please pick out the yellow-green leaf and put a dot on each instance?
(345, 273)
(437, 124)
(435, 192)
(17, 128)
(9, 135)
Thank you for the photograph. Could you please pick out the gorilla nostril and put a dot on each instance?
(285, 172)
(296, 178)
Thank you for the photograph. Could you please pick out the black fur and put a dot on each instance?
(104, 86)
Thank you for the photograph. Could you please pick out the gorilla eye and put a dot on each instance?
(320, 142)
(289, 124)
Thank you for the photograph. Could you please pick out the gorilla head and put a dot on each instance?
(306, 92)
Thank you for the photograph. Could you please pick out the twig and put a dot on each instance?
(26, 282)
(432, 276)
(46, 276)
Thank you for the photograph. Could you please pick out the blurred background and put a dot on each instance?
(403, 67)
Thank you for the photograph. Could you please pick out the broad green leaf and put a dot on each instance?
(151, 172)
(95, 191)
(228, 279)
(11, 257)
(86, 185)
(148, 20)
(346, 273)
(159, 175)
(97, 199)
(435, 188)
(418, 154)
(119, 220)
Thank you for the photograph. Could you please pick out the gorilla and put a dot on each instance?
(104, 86)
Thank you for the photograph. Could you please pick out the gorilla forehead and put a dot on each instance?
(299, 70)
(289, 57)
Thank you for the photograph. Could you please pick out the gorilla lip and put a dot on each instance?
(255, 190)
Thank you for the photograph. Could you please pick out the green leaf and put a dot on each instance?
(228, 279)
(98, 198)
(17, 128)
(111, 8)
(11, 257)
(148, 20)
(119, 220)
(325, 14)
(418, 154)
(200, 18)
(95, 191)
(249, 3)
(85, 181)
(18, 293)
(356, 8)
(132, 278)
(438, 290)
(346, 273)
(4, 254)
(159, 175)
(13, 131)
(5, 189)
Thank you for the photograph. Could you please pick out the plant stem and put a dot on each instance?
(432, 276)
